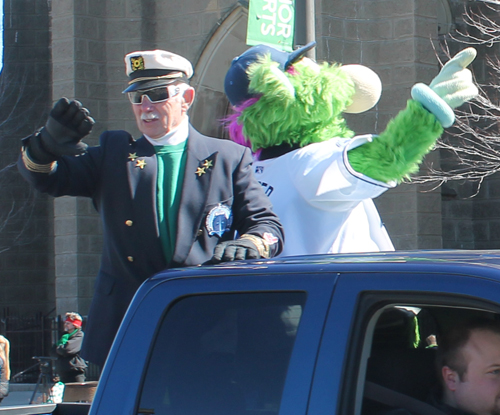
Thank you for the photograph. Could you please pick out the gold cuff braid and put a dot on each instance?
(261, 244)
(35, 167)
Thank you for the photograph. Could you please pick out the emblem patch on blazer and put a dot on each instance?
(219, 220)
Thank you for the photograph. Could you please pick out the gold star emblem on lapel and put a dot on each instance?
(208, 163)
(141, 164)
(199, 171)
(132, 156)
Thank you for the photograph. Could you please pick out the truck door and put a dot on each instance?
(394, 321)
(217, 346)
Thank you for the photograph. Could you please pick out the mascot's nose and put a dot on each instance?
(236, 81)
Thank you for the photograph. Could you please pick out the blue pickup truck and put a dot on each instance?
(333, 334)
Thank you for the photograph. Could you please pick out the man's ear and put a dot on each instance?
(450, 378)
(188, 96)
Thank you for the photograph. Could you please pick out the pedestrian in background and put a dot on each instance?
(70, 366)
(4, 367)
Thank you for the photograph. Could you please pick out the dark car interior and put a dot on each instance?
(401, 370)
(223, 354)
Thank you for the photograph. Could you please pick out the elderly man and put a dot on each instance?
(171, 198)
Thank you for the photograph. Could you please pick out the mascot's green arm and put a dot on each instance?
(398, 150)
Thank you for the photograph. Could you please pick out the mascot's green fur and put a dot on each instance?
(314, 113)
(310, 115)
(286, 105)
(393, 154)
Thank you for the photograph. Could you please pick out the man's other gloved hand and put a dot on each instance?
(67, 124)
(236, 250)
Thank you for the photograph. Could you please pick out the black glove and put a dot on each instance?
(67, 124)
(235, 250)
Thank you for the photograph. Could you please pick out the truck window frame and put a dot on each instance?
(371, 305)
(258, 295)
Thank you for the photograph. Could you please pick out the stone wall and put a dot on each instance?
(26, 218)
(470, 213)
(393, 37)
(50, 249)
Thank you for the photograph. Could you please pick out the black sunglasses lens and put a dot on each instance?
(154, 95)
(135, 97)
(158, 94)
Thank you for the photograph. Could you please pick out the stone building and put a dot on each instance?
(50, 249)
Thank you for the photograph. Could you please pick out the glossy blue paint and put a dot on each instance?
(322, 375)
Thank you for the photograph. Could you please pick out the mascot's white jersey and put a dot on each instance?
(323, 204)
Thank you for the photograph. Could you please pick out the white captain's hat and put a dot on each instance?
(151, 68)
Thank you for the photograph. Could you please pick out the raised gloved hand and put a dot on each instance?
(67, 124)
(449, 89)
(235, 250)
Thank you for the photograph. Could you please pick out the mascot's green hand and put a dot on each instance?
(449, 89)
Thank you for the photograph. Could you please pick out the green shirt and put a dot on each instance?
(171, 163)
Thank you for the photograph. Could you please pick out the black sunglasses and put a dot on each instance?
(155, 95)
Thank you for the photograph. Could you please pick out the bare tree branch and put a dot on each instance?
(470, 150)
(15, 212)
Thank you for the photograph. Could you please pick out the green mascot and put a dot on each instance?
(320, 176)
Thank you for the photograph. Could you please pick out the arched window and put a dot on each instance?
(444, 17)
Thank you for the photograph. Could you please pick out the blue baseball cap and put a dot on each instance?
(236, 81)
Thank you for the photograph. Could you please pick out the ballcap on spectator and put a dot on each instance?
(151, 68)
(236, 81)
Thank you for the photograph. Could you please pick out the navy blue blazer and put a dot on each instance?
(120, 175)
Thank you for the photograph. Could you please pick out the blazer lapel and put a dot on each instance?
(196, 185)
(142, 175)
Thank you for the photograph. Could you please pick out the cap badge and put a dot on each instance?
(219, 220)
(137, 63)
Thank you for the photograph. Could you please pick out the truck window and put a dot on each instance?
(402, 353)
(222, 354)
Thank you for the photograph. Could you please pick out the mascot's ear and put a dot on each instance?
(367, 88)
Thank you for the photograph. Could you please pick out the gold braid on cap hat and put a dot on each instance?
(172, 75)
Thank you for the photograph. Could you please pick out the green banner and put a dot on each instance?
(271, 22)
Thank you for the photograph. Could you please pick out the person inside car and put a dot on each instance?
(468, 364)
